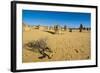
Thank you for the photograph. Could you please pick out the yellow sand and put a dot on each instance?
(65, 45)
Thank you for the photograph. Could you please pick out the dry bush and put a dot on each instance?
(41, 47)
(56, 28)
(81, 27)
(70, 30)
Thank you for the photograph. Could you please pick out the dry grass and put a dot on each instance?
(65, 46)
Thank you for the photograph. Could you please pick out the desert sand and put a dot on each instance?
(65, 46)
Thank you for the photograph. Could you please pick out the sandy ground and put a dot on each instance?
(65, 46)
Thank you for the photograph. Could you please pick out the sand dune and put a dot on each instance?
(65, 46)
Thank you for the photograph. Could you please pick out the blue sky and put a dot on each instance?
(48, 18)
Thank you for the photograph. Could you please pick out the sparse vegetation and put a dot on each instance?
(71, 45)
(81, 27)
(37, 27)
(70, 30)
(41, 46)
(56, 28)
